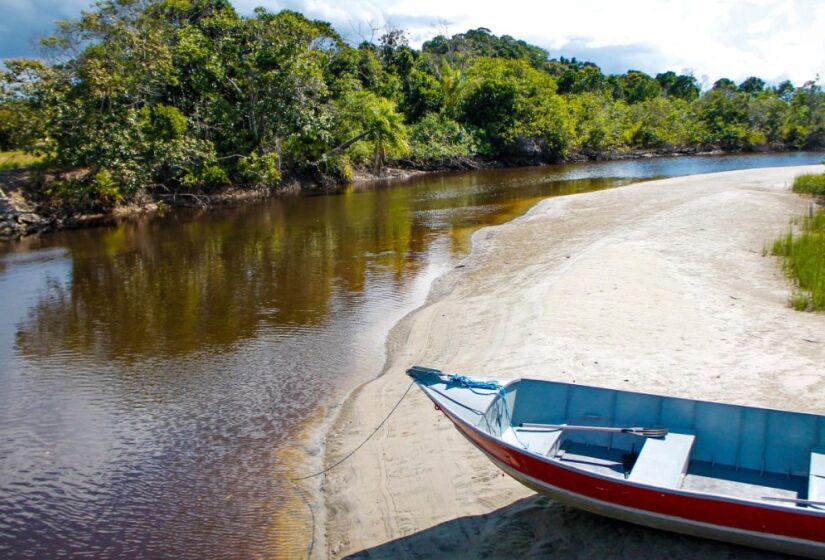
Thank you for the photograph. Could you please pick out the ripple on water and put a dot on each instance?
(151, 374)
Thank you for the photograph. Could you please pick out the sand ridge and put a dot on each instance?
(658, 286)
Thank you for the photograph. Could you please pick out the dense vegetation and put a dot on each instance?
(184, 94)
(803, 249)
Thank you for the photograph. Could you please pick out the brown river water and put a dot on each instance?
(150, 371)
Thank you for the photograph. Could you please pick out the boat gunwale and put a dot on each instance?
(660, 395)
(699, 494)
(724, 529)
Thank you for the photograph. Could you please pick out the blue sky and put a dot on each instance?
(773, 39)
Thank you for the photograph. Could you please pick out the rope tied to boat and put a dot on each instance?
(460, 380)
(470, 383)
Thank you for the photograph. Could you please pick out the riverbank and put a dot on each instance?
(659, 286)
(25, 210)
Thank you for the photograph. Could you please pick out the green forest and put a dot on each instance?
(187, 94)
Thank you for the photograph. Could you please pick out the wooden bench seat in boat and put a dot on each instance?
(543, 442)
(663, 462)
(816, 478)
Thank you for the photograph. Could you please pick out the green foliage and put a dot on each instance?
(724, 84)
(804, 126)
(658, 123)
(105, 188)
(752, 85)
(373, 121)
(637, 86)
(423, 94)
(784, 91)
(598, 123)
(589, 78)
(162, 123)
(723, 114)
(481, 43)
(682, 86)
(99, 191)
(189, 94)
(438, 137)
(338, 167)
(810, 184)
(804, 261)
(516, 110)
(261, 169)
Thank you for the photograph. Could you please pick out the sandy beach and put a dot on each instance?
(659, 286)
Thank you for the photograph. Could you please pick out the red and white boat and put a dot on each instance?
(746, 475)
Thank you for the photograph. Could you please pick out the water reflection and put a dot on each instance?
(169, 287)
(149, 370)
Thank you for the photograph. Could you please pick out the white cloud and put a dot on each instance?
(773, 39)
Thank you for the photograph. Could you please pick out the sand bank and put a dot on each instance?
(659, 286)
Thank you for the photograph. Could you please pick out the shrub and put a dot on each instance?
(437, 137)
(97, 192)
(804, 261)
(261, 169)
(810, 184)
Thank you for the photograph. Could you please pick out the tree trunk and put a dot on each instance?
(344, 146)
(379, 159)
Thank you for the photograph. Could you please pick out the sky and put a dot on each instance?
(772, 39)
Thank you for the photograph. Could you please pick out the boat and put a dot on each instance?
(740, 474)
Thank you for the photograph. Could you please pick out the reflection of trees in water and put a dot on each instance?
(171, 286)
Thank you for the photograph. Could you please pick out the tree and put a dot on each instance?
(437, 137)
(804, 126)
(785, 90)
(683, 86)
(365, 117)
(22, 120)
(658, 122)
(188, 94)
(422, 94)
(516, 110)
(752, 85)
(598, 121)
(724, 84)
(638, 86)
(588, 78)
(724, 116)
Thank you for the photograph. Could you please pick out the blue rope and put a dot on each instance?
(464, 381)
(469, 383)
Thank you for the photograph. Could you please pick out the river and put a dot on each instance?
(150, 370)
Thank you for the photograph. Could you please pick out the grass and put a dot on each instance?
(803, 252)
(18, 160)
(810, 184)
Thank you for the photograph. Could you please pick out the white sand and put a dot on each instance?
(659, 286)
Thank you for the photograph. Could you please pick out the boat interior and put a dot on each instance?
(744, 452)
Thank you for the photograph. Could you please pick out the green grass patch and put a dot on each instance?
(810, 184)
(18, 160)
(803, 252)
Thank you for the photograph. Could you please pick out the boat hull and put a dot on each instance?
(772, 528)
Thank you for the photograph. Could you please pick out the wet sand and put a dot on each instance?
(659, 286)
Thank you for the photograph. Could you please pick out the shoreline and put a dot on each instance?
(424, 491)
(21, 215)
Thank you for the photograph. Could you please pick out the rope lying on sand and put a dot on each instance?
(460, 380)
(360, 445)
(300, 491)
